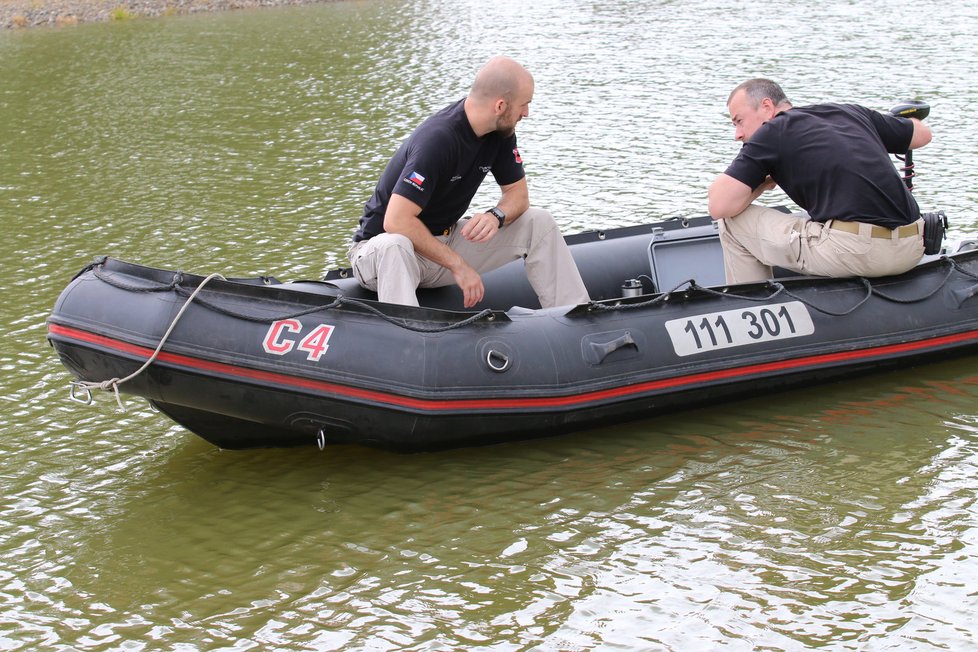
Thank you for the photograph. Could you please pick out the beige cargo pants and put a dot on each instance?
(388, 264)
(761, 238)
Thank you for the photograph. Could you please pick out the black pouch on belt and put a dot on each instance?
(935, 224)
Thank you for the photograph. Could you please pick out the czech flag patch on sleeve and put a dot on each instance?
(415, 180)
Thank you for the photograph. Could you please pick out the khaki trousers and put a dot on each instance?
(388, 264)
(761, 238)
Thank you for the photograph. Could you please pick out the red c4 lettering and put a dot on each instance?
(273, 342)
(278, 342)
(315, 343)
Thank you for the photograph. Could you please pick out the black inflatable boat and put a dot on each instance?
(256, 362)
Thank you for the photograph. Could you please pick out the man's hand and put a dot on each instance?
(469, 281)
(480, 227)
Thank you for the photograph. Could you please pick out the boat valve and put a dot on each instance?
(631, 288)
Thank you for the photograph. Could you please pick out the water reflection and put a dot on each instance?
(746, 528)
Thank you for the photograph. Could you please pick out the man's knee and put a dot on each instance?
(383, 254)
(539, 218)
(751, 220)
(392, 243)
(534, 226)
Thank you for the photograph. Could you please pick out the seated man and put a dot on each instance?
(833, 161)
(412, 233)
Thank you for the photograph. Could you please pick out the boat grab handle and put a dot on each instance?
(601, 350)
(497, 361)
(964, 294)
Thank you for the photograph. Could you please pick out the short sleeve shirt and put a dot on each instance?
(440, 167)
(833, 160)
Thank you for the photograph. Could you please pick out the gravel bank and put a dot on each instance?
(17, 14)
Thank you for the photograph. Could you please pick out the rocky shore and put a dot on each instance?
(17, 14)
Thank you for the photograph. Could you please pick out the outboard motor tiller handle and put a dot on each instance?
(910, 109)
(935, 224)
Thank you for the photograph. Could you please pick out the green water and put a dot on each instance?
(841, 517)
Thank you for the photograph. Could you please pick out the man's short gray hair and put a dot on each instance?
(758, 89)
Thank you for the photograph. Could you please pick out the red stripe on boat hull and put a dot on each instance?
(574, 400)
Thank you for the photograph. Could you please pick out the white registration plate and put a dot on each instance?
(730, 328)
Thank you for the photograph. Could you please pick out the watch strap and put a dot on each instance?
(498, 214)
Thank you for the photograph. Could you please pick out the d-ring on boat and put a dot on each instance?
(257, 362)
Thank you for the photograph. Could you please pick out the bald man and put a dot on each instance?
(415, 231)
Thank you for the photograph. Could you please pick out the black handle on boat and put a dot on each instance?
(910, 109)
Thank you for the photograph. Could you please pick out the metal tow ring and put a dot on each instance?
(80, 392)
(497, 361)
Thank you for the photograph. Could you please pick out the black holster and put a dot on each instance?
(935, 224)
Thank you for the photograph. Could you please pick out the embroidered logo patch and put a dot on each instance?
(516, 156)
(415, 180)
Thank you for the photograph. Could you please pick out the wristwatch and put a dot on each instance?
(498, 214)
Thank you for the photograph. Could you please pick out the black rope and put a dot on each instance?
(690, 285)
(97, 262)
(959, 269)
(403, 323)
(826, 311)
(779, 289)
(340, 301)
(178, 279)
(947, 277)
(253, 318)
